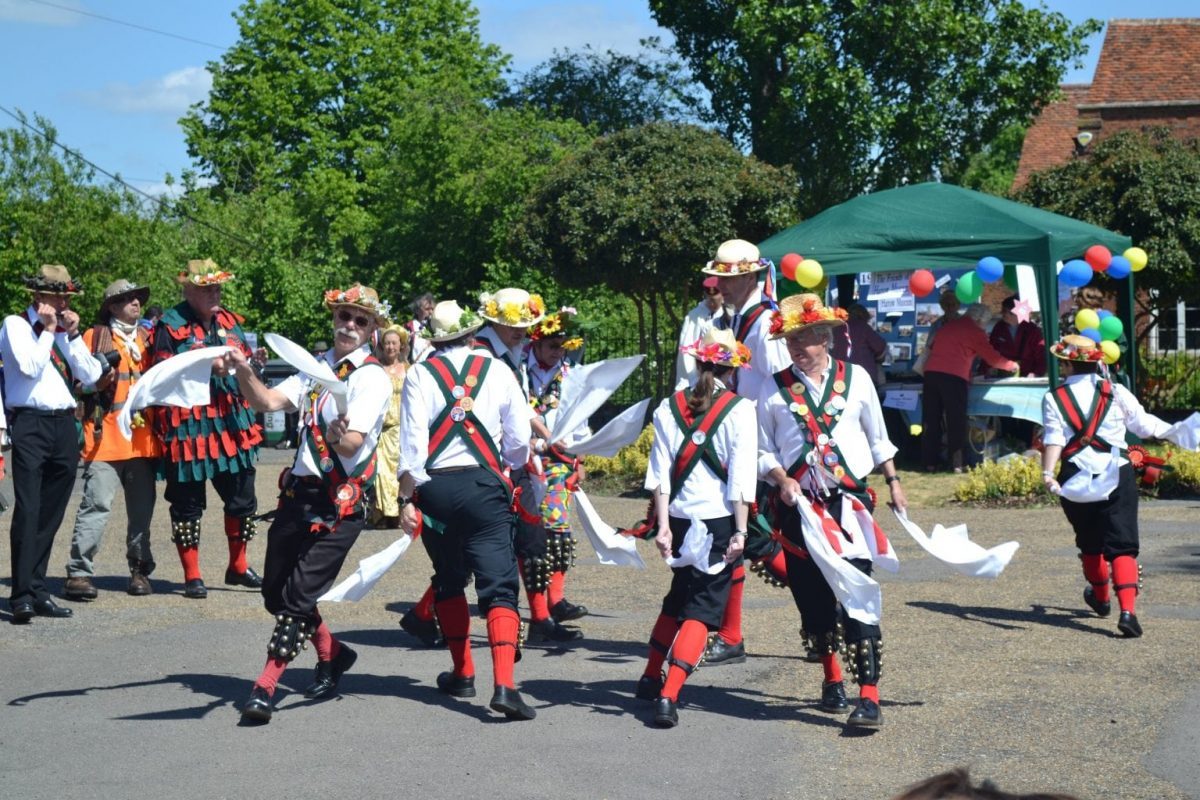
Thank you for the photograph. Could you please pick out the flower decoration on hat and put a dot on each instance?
(736, 257)
(449, 321)
(718, 347)
(363, 297)
(515, 308)
(53, 279)
(1074, 347)
(800, 311)
(204, 272)
(562, 323)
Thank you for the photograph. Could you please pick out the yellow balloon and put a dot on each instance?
(1112, 353)
(809, 273)
(1137, 258)
(915, 429)
(1086, 318)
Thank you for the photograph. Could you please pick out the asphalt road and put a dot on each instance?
(1014, 678)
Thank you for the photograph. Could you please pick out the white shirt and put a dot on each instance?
(369, 390)
(860, 432)
(767, 356)
(703, 495)
(500, 406)
(1125, 413)
(694, 324)
(30, 378)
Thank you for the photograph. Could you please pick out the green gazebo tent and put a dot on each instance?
(939, 226)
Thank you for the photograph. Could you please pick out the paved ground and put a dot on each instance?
(138, 696)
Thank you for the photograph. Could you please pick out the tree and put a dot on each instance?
(993, 168)
(640, 211)
(1144, 185)
(610, 91)
(859, 96)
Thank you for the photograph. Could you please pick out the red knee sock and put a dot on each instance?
(660, 642)
(189, 557)
(833, 670)
(503, 626)
(539, 608)
(272, 671)
(731, 622)
(777, 565)
(237, 547)
(688, 647)
(1095, 570)
(558, 581)
(869, 691)
(423, 610)
(326, 646)
(1125, 581)
(455, 618)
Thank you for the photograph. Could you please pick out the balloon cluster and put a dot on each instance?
(1098, 258)
(805, 271)
(1103, 328)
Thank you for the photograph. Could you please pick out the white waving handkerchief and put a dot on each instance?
(310, 367)
(611, 547)
(370, 570)
(183, 380)
(694, 550)
(952, 547)
(620, 431)
(1099, 473)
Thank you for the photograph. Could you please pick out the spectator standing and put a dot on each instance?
(1019, 341)
(860, 343)
(393, 355)
(700, 318)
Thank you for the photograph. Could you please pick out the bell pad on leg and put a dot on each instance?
(864, 660)
(537, 573)
(185, 532)
(290, 636)
(560, 550)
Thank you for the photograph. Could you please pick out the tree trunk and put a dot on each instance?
(642, 344)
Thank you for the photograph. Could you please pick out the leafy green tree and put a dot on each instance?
(859, 96)
(640, 211)
(993, 168)
(1144, 185)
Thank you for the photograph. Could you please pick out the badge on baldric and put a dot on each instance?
(822, 439)
(466, 404)
(458, 392)
(471, 381)
(326, 464)
(699, 438)
(797, 388)
(347, 492)
(457, 414)
(839, 386)
(838, 402)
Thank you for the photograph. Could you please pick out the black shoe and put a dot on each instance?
(666, 714)
(509, 703)
(833, 697)
(1102, 609)
(649, 688)
(195, 589)
(48, 608)
(328, 673)
(812, 655)
(550, 631)
(722, 652)
(250, 579)
(565, 611)
(1128, 625)
(866, 714)
(424, 629)
(455, 686)
(22, 612)
(258, 706)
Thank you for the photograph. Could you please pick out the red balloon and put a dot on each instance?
(788, 264)
(921, 283)
(1098, 257)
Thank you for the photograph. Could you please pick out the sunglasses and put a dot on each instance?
(359, 320)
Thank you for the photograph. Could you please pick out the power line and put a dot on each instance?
(114, 21)
(156, 200)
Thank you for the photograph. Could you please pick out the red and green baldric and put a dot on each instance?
(817, 419)
(345, 489)
(1085, 427)
(697, 437)
(457, 421)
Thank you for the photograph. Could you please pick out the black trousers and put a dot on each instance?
(302, 565)
(695, 594)
(188, 499)
(477, 540)
(45, 455)
(944, 397)
(1109, 527)
(530, 538)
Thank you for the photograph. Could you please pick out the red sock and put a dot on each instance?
(455, 618)
(326, 646)
(424, 607)
(1095, 570)
(688, 647)
(731, 622)
(833, 670)
(189, 557)
(777, 566)
(503, 625)
(869, 691)
(1125, 581)
(272, 671)
(558, 580)
(539, 608)
(237, 547)
(663, 635)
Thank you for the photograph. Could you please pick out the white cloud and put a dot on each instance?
(170, 94)
(25, 11)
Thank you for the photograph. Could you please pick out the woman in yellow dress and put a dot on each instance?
(393, 354)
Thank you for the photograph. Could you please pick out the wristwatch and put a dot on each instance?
(890, 479)
(404, 501)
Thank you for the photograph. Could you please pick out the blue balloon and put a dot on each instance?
(1103, 313)
(1092, 333)
(1075, 273)
(1119, 268)
(990, 269)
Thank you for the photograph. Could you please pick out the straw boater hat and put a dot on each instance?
(1074, 347)
(735, 257)
(718, 347)
(516, 308)
(123, 291)
(52, 279)
(204, 272)
(449, 321)
(364, 298)
(562, 324)
(801, 311)
(399, 330)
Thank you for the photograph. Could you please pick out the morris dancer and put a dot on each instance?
(465, 419)
(702, 467)
(217, 442)
(821, 432)
(324, 495)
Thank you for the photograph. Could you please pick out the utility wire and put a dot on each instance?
(126, 24)
(161, 203)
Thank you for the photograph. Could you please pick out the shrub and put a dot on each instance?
(1013, 479)
(627, 469)
(1184, 477)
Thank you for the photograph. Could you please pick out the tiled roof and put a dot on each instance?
(1050, 140)
(1147, 61)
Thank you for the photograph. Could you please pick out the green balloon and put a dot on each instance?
(969, 288)
(1111, 329)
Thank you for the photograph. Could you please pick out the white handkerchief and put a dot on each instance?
(1098, 475)
(370, 570)
(1185, 433)
(309, 366)
(858, 592)
(611, 547)
(951, 546)
(182, 380)
(693, 551)
(620, 431)
(585, 389)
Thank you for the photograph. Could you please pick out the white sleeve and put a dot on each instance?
(1053, 428)
(84, 367)
(1137, 419)
(515, 418)
(293, 387)
(30, 354)
(368, 400)
(768, 456)
(743, 453)
(658, 469)
(414, 428)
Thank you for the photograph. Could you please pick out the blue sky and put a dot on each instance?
(115, 92)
